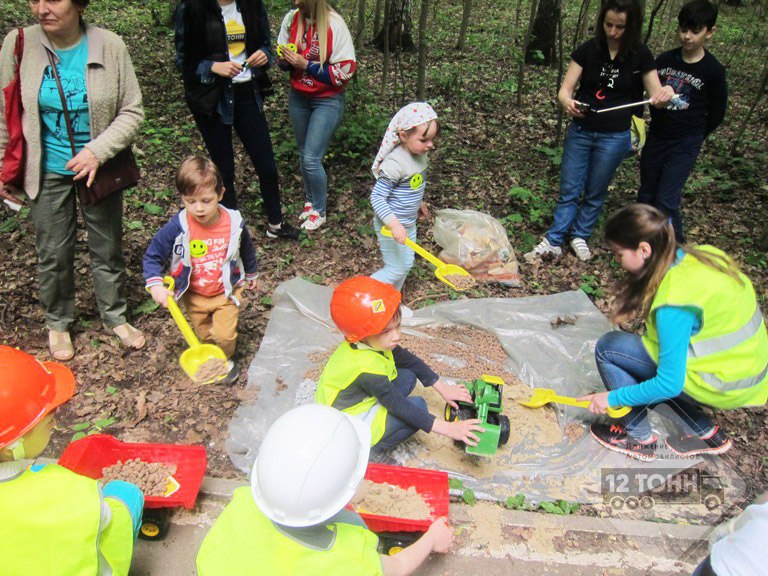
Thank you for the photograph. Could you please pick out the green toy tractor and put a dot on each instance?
(485, 406)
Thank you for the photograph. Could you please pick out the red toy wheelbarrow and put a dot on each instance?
(89, 455)
(397, 533)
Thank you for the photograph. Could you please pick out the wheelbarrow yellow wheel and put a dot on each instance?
(150, 530)
(394, 550)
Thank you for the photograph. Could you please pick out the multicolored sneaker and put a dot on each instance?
(313, 222)
(615, 437)
(306, 212)
(543, 248)
(716, 442)
(581, 249)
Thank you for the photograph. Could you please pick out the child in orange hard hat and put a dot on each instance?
(63, 523)
(371, 376)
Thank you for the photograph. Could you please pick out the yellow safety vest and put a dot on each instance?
(727, 364)
(244, 542)
(343, 368)
(50, 527)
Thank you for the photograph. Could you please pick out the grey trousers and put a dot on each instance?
(55, 218)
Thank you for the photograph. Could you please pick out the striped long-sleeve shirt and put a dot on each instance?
(399, 190)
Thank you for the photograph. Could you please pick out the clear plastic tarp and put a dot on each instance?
(540, 354)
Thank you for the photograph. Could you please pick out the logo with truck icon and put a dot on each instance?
(644, 488)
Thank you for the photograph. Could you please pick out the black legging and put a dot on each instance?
(253, 131)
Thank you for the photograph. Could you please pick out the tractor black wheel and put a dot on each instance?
(451, 414)
(504, 429)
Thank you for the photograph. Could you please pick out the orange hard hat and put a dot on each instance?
(362, 306)
(29, 390)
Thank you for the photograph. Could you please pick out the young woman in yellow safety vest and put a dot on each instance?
(705, 342)
(54, 522)
(291, 520)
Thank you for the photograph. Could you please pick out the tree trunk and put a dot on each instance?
(385, 60)
(654, 12)
(422, 69)
(467, 8)
(397, 29)
(745, 122)
(377, 15)
(580, 23)
(521, 69)
(542, 47)
(560, 64)
(518, 8)
(360, 23)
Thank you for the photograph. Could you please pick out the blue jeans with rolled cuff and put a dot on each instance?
(397, 431)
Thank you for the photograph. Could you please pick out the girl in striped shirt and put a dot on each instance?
(400, 169)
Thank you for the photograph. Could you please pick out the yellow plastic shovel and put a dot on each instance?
(442, 270)
(197, 354)
(542, 396)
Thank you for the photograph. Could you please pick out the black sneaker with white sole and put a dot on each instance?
(615, 437)
(285, 232)
(716, 442)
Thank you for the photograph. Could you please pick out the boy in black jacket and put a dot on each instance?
(678, 131)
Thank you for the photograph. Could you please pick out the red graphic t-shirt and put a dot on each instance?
(208, 248)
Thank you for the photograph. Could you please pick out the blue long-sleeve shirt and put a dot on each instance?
(675, 327)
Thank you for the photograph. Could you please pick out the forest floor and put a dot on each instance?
(492, 156)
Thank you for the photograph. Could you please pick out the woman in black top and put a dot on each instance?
(611, 69)
(223, 52)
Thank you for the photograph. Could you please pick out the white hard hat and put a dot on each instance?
(309, 465)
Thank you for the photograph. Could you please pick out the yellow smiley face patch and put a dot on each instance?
(198, 248)
(416, 181)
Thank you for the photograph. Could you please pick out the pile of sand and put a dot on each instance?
(383, 499)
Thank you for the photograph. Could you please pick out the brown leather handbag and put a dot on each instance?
(116, 174)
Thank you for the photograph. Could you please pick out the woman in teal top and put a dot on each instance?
(705, 342)
(104, 101)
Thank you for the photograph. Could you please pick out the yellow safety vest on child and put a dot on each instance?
(727, 363)
(243, 542)
(343, 368)
(50, 526)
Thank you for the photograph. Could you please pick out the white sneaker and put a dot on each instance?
(581, 249)
(306, 211)
(313, 221)
(543, 247)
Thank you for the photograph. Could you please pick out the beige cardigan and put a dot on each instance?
(114, 97)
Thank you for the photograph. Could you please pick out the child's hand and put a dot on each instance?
(461, 430)
(441, 535)
(452, 394)
(663, 96)
(424, 211)
(160, 294)
(398, 232)
(257, 60)
(598, 403)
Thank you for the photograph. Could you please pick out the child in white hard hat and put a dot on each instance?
(292, 520)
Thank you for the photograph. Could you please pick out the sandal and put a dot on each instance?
(60, 345)
(130, 336)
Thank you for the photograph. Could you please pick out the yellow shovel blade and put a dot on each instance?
(194, 357)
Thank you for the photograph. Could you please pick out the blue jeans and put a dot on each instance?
(664, 168)
(622, 360)
(395, 430)
(590, 160)
(398, 258)
(314, 121)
